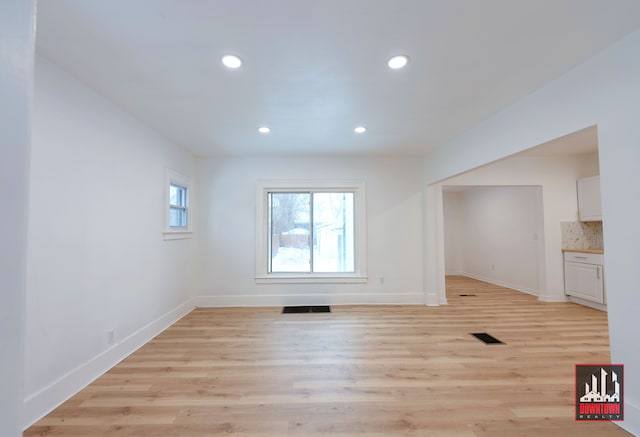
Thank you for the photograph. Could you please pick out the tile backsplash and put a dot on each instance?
(581, 235)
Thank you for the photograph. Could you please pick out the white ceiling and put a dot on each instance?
(314, 69)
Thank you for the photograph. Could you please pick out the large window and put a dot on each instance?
(311, 230)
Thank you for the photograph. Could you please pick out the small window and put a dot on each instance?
(177, 206)
(311, 232)
(177, 196)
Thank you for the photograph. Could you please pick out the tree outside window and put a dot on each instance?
(311, 232)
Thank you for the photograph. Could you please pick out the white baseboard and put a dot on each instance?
(594, 305)
(553, 298)
(631, 421)
(277, 300)
(40, 404)
(502, 283)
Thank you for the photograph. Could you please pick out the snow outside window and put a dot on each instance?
(178, 206)
(311, 231)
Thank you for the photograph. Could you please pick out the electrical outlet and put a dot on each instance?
(493, 267)
(381, 281)
(111, 336)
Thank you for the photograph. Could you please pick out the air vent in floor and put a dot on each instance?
(488, 339)
(307, 309)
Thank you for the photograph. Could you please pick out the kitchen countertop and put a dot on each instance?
(598, 251)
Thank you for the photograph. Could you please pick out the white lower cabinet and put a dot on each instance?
(584, 276)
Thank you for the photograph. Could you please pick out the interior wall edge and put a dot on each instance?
(631, 421)
(41, 403)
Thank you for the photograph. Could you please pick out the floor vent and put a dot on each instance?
(488, 339)
(466, 295)
(307, 309)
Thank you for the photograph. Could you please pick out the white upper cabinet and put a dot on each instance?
(589, 205)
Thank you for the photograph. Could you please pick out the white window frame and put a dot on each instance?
(262, 231)
(175, 233)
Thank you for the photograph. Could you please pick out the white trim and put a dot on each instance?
(170, 233)
(41, 403)
(177, 235)
(360, 224)
(287, 278)
(515, 287)
(587, 303)
(278, 300)
(553, 297)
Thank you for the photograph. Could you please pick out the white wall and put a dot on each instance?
(453, 239)
(604, 91)
(97, 260)
(227, 230)
(497, 235)
(16, 85)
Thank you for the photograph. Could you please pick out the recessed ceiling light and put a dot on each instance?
(398, 61)
(232, 61)
(264, 130)
(360, 130)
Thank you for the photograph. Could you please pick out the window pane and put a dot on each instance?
(333, 233)
(289, 224)
(177, 217)
(177, 195)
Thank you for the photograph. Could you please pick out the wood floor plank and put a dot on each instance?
(360, 370)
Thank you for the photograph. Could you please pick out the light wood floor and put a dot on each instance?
(360, 370)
